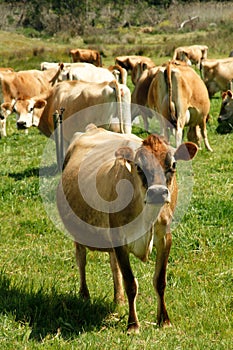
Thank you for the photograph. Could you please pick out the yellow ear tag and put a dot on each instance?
(128, 166)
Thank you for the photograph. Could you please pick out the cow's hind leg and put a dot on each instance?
(204, 135)
(163, 245)
(117, 279)
(131, 287)
(80, 252)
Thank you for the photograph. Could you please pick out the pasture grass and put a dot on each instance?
(39, 303)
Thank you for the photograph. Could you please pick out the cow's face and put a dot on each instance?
(212, 87)
(155, 165)
(225, 118)
(28, 112)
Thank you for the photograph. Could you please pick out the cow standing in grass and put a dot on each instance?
(118, 194)
(179, 94)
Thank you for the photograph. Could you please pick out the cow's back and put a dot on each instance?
(89, 182)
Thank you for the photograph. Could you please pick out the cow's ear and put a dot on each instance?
(40, 104)
(126, 155)
(186, 151)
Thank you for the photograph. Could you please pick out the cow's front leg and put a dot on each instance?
(131, 287)
(117, 279)
(163, 245)
(80, 253)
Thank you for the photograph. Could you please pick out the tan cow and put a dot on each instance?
(225, 118)
(86, 55)
(106, 103)
(144, 76)
(217, 74)
(193, 54)
(118, 194)
(24, 84)
(128, 62)
(179, 94)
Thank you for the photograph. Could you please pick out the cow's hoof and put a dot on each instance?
(133, 329)
(166, 324)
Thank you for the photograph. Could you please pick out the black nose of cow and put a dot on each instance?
(1, 117)
(21, 125)
(157, 194)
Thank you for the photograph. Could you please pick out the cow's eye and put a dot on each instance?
(171, 168)
(173, 165)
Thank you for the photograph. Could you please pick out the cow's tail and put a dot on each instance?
(171, 105)
(119, 105)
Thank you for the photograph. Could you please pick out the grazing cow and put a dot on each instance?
(179, 94)
(193, 54)
(128, 62)
(86, 55)
(75, 97)
(118, 194)
(225, 118)
(24, 84)
(217, 74)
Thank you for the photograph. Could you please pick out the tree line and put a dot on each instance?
(51, 16)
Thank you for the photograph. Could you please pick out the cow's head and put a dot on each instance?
(225, 118)
(28, 112)
(154, 163)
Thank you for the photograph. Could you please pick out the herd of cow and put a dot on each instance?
(105, 165)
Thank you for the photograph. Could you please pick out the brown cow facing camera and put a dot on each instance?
(118, 194)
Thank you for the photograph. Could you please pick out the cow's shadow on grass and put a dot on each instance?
(46, 171)
(51, 313)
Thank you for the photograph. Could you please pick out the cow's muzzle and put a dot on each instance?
(158, 194)
(2, 117)
(21, 125)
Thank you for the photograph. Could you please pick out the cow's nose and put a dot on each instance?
(2, 117)
(158, 194)
(21, 125)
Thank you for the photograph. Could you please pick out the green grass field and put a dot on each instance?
(39, 303)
